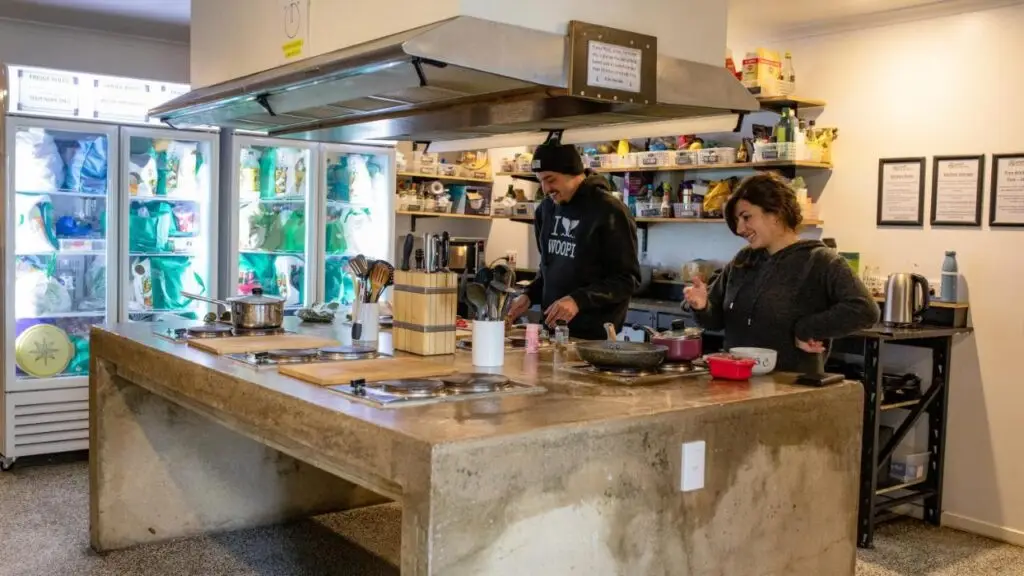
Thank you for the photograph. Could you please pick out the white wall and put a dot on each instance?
(235, 38)
(80, 50)
(933, 87)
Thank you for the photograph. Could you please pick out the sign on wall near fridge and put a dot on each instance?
(78, 96)
(294, 28)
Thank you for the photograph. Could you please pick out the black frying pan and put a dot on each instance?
(612, 353)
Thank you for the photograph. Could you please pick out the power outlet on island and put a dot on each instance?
(691, 475)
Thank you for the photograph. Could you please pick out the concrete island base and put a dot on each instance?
(580, 480)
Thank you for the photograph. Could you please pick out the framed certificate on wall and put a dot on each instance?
(957, 183)
(1006, 205)
(900, 192)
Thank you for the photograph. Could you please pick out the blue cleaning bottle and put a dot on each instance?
(950, 276)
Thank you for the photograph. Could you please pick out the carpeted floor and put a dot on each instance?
(44, 531)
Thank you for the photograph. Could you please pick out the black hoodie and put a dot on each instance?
(805, 291)
(588, 251)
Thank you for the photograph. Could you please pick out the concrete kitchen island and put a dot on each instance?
(583, 479)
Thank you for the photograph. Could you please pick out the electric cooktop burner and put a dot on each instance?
(621, 371)
(419, 391)
(632, 376)
(291, 356)
(677, 367)
(272, 358)
(473, 383)
(412, 388)
(258, 331)
(209, 331)
(348, 353)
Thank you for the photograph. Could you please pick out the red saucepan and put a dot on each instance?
(684, 344)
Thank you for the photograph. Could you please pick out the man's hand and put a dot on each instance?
(564, 308)
(519, 307)
(811, 346)
(697, 294)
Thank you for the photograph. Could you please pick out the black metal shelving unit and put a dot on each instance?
(878, 496)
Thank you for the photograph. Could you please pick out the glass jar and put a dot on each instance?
(561, 334)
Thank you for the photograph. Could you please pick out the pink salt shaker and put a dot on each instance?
(532, 338)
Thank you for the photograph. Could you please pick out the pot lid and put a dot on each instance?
(691, 333)
(256, 297)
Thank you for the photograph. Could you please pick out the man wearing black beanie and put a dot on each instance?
(589, 267)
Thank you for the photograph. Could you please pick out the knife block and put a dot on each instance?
(423, 312)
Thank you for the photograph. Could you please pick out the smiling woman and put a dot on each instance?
(780, 292)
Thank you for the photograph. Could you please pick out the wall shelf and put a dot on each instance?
(777, 103)
(445, 178)
(778, 164)
(807, 222)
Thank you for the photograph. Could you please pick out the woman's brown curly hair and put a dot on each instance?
(771, 193)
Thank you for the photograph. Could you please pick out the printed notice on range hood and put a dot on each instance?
(612, 65)
(616, 67)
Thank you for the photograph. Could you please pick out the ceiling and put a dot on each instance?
(760, 19)
(159, 19)
(767, 19)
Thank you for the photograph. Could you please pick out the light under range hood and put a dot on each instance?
(457, 79)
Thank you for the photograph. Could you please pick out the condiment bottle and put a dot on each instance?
(561, 334)
(950, 276)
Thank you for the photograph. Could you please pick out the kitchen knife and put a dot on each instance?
(443, 246)
(407, 252)
(430, 250)
(419, 258)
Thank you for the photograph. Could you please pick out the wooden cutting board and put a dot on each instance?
(241, 344)
(343, 372)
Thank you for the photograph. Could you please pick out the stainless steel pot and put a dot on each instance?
(252, 312)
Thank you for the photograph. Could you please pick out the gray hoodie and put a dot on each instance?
(805, 291)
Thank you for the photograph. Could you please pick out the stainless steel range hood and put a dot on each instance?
(456, 79)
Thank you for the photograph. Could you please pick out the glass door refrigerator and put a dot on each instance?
(169, 207)
(356, 214)
(62, 229)
(270, 236)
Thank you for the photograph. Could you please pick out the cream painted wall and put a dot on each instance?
(80, 50)
(234, 38)
(933, 87)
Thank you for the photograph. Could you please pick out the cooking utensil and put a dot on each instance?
(419, 258)
(502, 272)
(484, 276)
(903, 303)
(407, 252)
(443, 245)
(359, 266)
(605, 353)
(505, 295)
(684, 344)
(609, 330)
(476, 294)
(382, 275)
(253, 311)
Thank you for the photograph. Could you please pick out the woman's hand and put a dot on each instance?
(696, 294)
(811, 346)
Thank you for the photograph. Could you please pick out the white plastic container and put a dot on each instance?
(707, 156)
(907, 468)
(488, 343)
